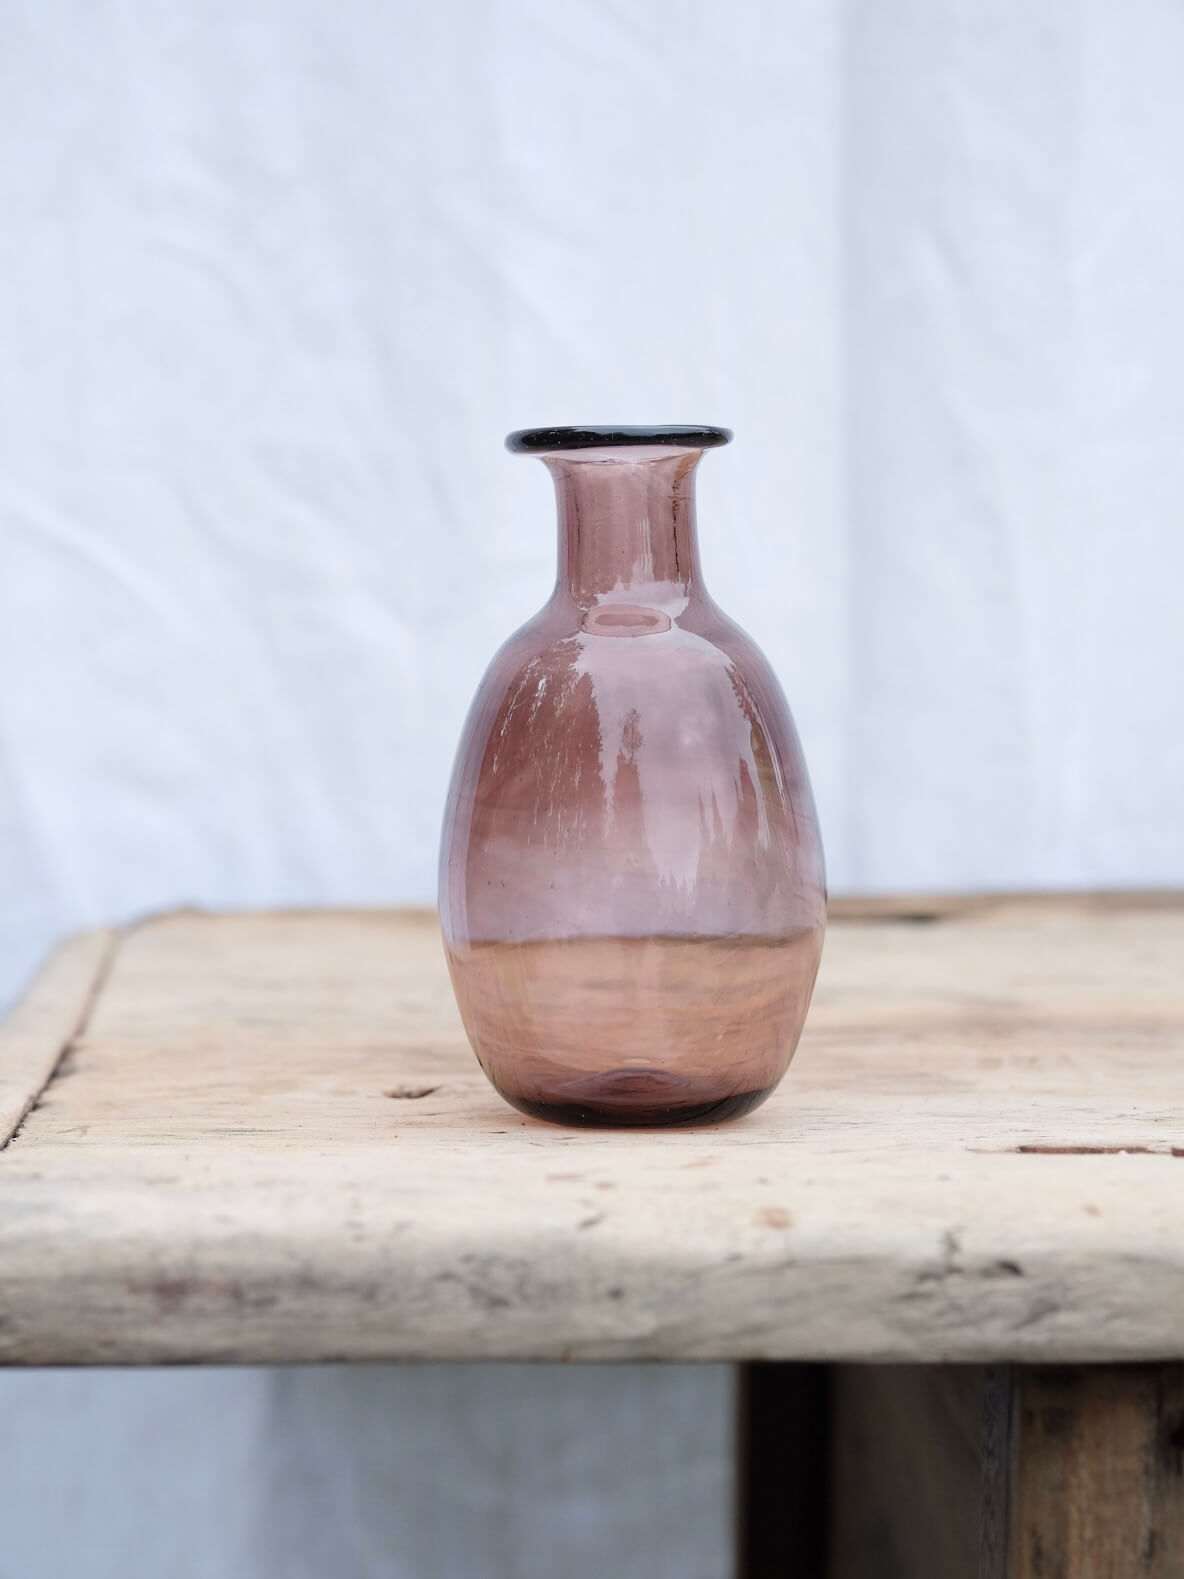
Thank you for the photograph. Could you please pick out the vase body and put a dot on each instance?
(631, 880)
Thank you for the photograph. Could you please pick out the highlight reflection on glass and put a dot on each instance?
(631, 877)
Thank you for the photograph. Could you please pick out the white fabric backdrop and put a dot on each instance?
(276, 278)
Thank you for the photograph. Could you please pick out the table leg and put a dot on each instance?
(962, 1472)
(784, 1470)
(1098, 1487)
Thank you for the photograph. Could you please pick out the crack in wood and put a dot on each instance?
(1099, 1151)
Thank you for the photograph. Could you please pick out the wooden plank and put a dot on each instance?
(1099, 1479)
(40, 1027)
(945, 1472)
(274, 1144)
(906, 1494)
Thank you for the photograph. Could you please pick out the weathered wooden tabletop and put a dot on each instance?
(264, 1138)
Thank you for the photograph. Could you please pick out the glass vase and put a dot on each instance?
(631, 877)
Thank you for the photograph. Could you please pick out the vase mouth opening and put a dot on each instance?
(549, 441)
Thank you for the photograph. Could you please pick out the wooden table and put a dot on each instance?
(263, 1138)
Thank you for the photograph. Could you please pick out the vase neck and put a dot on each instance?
(627, 524)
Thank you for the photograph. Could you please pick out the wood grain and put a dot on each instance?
(1099, 1488)
(1008, 1472)
(271, 1142)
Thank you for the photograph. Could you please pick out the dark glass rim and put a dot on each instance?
(539, 441)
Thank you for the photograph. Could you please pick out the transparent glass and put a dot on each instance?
(631, 877)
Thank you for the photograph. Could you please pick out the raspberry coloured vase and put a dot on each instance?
(631, 878)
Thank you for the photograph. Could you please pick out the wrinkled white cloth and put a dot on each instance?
(275, 282)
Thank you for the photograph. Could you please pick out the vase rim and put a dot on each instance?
(542, 441)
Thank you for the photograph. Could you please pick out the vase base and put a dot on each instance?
(636, 1099)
